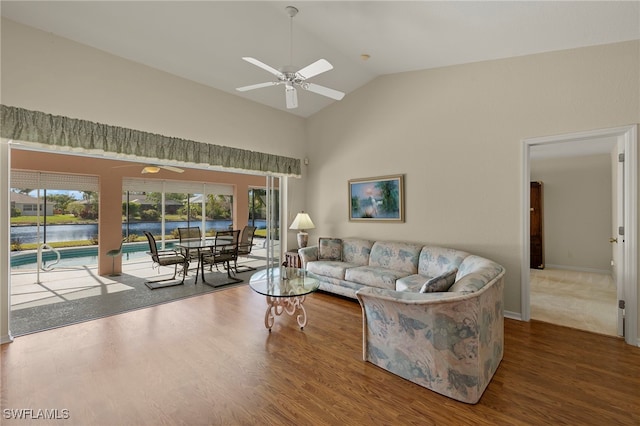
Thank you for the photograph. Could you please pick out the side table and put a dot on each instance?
(292, 259)
(286, 289)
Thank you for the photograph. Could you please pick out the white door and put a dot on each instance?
(618, 241)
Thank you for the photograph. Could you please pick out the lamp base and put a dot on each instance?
(303, 239)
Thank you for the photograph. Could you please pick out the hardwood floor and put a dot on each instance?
(209, 360)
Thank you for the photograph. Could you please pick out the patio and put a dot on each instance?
(75, 294)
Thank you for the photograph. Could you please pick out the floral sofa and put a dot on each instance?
(431, 315)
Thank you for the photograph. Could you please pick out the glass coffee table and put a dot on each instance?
(285, 289)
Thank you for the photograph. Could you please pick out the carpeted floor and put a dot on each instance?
(132, 294)
(582, 300)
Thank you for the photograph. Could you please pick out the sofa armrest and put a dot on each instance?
(308, 254)
(451, 343)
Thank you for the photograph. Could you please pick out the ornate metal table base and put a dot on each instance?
(277, 305)
(285, 289)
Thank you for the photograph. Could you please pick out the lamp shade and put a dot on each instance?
(302, 221)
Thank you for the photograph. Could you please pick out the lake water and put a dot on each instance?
(59, 233)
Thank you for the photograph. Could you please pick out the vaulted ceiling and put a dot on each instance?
(204, 41)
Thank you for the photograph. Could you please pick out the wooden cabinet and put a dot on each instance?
(537, 229)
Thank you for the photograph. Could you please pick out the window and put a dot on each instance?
(161, 207)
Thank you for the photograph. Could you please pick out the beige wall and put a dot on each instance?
(456, 133)
(51, 74)
(577, 211)
(47, 73)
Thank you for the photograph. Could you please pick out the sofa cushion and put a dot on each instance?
(470, 283)
(329, 249)
(435, 261)
(474, 273)
(356, 251)
(374, 276)
(412, 283)
(480, 265)
(398, 256)
(329, 268)
(441, 283)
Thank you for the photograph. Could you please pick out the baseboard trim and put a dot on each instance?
(513, 315)
(7, 338)
(579, 269)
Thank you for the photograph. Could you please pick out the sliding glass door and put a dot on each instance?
(273, 200)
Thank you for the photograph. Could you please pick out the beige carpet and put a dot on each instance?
(582, 300)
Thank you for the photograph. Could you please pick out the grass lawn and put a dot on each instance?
(56, 219)
(69, 219)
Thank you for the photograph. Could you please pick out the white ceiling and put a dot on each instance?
(204, 41)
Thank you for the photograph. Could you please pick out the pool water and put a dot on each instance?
(78, 256)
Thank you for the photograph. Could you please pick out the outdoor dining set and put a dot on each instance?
(223, 249)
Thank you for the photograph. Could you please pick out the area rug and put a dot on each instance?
(40, 318)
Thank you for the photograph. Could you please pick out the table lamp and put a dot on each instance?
(302, 222)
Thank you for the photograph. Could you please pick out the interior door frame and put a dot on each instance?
(627, 136)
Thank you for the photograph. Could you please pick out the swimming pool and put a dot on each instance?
(78, 256)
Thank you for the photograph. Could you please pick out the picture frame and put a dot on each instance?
(377, 199)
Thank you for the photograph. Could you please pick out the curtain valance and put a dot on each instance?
(77, 135)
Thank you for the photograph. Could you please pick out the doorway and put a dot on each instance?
(605, 140)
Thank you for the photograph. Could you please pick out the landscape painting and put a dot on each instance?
(377, 199)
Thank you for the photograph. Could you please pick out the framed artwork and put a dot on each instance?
(377, 199)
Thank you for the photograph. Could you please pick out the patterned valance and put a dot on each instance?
(70, 134)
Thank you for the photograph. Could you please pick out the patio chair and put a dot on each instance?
(190, 234)
(245, 244)
(224, 252)
(166, 258)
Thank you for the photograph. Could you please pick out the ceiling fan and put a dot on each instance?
(153, 168)
(292, 78)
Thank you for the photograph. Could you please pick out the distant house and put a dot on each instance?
(28, 205)
(170, 206)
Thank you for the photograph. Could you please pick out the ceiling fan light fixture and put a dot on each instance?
(151, 169)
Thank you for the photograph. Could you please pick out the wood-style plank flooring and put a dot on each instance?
(209, 360)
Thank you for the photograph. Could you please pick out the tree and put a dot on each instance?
(61, 202)
(134, 210)
(257, 203)
(219, 206)
(154, 198)
(389, 192)
(150, 215)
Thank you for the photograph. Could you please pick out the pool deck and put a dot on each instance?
(71, 283)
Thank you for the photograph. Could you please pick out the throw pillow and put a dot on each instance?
(330, 249)
(441, 283)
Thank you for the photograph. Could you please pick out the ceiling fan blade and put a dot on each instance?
(264, 66)
(324, 91)
(318, 67)
(172, 169)
(256, 86)
(291, 96)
